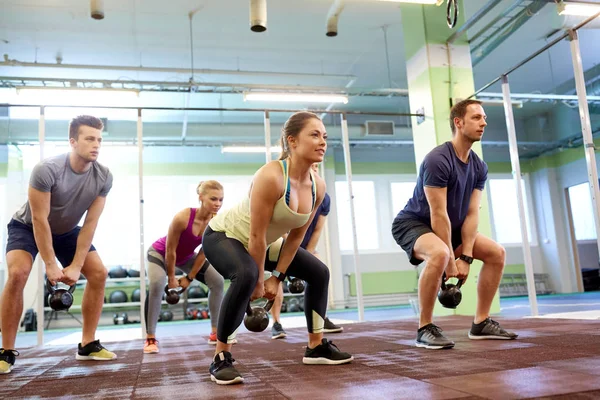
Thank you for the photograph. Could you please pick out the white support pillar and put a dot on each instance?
(140, 143)
(268, 137)
(347, 163)
(516, 170)
(586, 131)
(40, 263)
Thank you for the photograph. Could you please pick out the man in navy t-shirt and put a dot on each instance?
(439, 224)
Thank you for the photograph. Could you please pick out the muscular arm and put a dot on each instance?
(266, 190)
(440, 221)
(84, 239)
(176, 227)
(295, 237)
(311, 246)
(469, 228)
(39, 202)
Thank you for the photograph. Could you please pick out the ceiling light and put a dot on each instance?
(77, 96)
(296, 97)
(249, 149)
(578, 9)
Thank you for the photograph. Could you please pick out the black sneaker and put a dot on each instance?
(222, 370)
(430, 337)
(94, 351)
(326, 353)
(7, 360)
(330, 327)
(277, 331)
(490, 329)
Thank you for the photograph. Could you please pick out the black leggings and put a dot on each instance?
(231, 259)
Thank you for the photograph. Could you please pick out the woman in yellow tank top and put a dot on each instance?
(284, 196)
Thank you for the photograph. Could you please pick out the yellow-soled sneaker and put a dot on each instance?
(151, 346)
(94, 351)
(7, 360)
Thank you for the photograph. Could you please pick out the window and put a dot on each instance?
(401, 193)
(582, 211)
(505, 211)
(365, 214)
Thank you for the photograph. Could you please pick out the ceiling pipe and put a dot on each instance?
(203, 71)
(97, 9)
(333, 17)
(473, 20)
(258, 15)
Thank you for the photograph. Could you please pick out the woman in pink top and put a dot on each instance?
(177, 250)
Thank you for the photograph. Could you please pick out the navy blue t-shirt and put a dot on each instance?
(442, 168)
(322, 210)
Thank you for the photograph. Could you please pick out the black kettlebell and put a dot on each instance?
(450, 294)
(257, 318)
(59, 299)
(296, 285)
(173, 294)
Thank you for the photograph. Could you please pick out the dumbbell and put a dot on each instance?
(449, 294)
(59, 299)
(257, 318)
(122, 319)
(296, 285)
(173, 294)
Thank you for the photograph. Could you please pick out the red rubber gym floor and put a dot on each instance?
(551, 359)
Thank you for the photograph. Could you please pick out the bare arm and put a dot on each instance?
(266, 190)
(39, 202)
(440, 221)
(176, 227)
(86, 234)
(198, 263)
(311, 246)
(295, 237)
(469, 228)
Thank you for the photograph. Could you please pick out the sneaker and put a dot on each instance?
(277, 331)
(330, 327)
(490, 329)
(212, 338)
(94, 351)
(326, 353)
(430, 337)
(151, 346)
(7, 360)
(222, 370)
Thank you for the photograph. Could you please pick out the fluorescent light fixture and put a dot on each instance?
(296, 97)
(578, 9)
(489, 102)
(77, 96)
(249, 149)
(414, 1)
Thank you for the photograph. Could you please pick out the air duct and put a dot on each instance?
(333, 16)
(97, 9)
(258, 15)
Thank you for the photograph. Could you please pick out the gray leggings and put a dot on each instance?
(157, 277)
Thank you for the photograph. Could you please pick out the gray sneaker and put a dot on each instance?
(277, 331)
(490, 329)
(330, 327)
(430, 337)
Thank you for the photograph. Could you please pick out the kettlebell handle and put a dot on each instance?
(52, 288)
(267, 306)
(458, 284)
(179, 289)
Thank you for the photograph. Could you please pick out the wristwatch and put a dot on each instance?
(187, 276)
(278, 275)
(467, 259)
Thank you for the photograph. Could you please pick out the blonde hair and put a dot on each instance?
(292, 127)
(205, 186)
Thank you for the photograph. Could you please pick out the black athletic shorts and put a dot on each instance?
(407, 230)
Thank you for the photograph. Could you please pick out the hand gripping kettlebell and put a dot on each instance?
(173, 294)
(257, 318)
(59, 299)
(449, 294)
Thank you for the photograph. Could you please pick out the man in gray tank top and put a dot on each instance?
(61, 190)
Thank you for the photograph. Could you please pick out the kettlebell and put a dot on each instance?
(450, 294)
(59, 299)
(173, 294)
(257, 318)
(296, 285)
